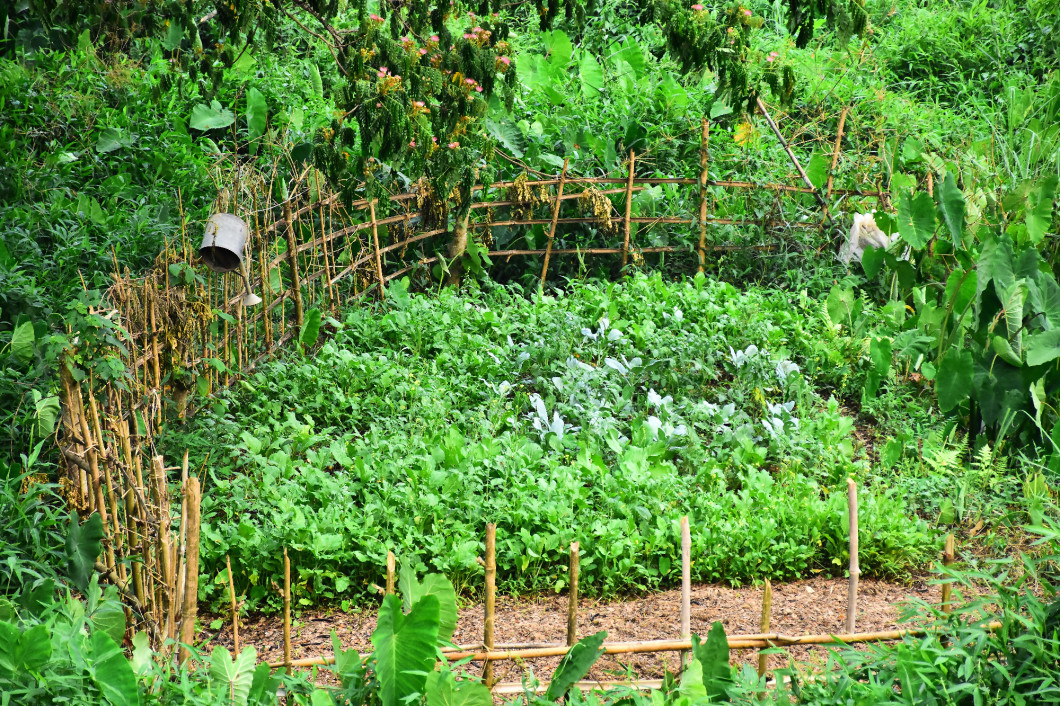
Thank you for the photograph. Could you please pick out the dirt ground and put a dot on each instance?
(801, 607)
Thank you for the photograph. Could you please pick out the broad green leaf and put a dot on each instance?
(560, 49)
(83, 545)
(1040, 208)
(960, 290)
(692, 687)
(872, 261)
(507, 134)
(111, 139)
(713, 655)
(633, 54)
(1042, 347)
(112, 672)
(916, 219)
(34, 648)
(314, 80)
(263, 687)
(954, 380)
(349, 667)
(952, 205)
(9, 652)
(142, 654)
(404, 648)
(211, 117)
(435, 585)
(109, 616)
(231, 679)
(257, 113)
(841, 306)
(1001, 346)
(996, 264)
(575, 665)
(22, 342)
(444, 690)
(48, 410)
(591, 75)
(880, 354)
(1013, 300)
(173, 37)
(817, 169)
(310, 328)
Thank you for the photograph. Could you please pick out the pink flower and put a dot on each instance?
(747, 13)
(467, 36)
(454, 145)
(375, 18)
(378, 105)
(469, 81)
(773, 53)
(418, 104)
(434, 140)
(769, 58)
(412, 144)
(423, 52)
(478, 88)
(476, 29)
(434, 38)
(505, 60)
(698, 8)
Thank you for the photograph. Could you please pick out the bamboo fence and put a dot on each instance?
(185, 332)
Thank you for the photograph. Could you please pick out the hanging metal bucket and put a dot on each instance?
(222, 245)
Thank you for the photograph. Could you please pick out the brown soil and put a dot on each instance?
(801, 607)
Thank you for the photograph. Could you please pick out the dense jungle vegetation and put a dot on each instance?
(600, 407)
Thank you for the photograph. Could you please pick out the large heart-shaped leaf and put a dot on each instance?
(591, 75)
(575, 665)
(83, 546)
(211, 117)
(952, 205)
(1042, 347)
(435, 585)
(714, 656)
(444, 690)
(507, 134)
(916, 219)
(23, 342)
(310, 328)
(230, 678)
(404, 648)
(112, 672)
(954, 379)
(257, 113)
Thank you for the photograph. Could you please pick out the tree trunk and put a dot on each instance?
(457, 247)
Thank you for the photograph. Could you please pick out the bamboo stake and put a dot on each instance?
(763, 625)
(193, 497)
(555, 218)
(235, 606)
(491, 590)
(160, 493)
(629, 207)
(287, 611)
(292, 258)
(686, 581)
(182, 533)
(835, 151)
(704, 155)
(572, 604)
(852, 588)
(115, 545)
(947, 559)
(378, 259)
(390, 572)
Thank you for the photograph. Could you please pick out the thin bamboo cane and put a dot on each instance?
(292, 258)
(704, 156)
(390, 573)
(193, 497)
(182, 533)
(491, 590)
(852, 588)
(555, 219)
(791, 155)
(763, 625)
(117, 543)
(836, 150)
(378, 258)
(629, 207)
(235, 606)
(133, 503)
(287, 611)
(572, 602)
(686, 581)
(947, 560)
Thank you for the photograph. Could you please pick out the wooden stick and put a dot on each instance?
(686, 581)
(629, 207)
(835, 151)
(763, 625)
(852, 588)
(703, 157)
(736, 642)
(947, 560)
(791, 155)
(572, 603)
(235, 606)
(191, 589)
(555, 219)
(160, 493)
(378, 257)
(287, 611)
(491, 590)
(292, 259)
(391, 564)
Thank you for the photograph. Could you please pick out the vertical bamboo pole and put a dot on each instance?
(286, 611)
(763, 625)
(375, 241)
(704, 156)
(193, 497)
(160, 492)
(852, 588)
(182, 533)
(836, 149)
(629, 209)
(326, 285)
(686, 582)
(137, 512)
(115, 544)
(292, 258)
(930, 185)
(555, 219)
(235, 606)
(572, 604)
(947, 559)
(491, 591)
(391, 565)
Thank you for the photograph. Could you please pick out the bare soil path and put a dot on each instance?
(800, 607)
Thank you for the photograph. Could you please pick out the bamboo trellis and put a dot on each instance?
(186, 332)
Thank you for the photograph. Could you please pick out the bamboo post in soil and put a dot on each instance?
(686, 581)
(391, 565)
(286, 610)
(704, 155)
(572, 604)
(855, 572)
(292, 258)
(235, 606)
(490, 607)
(555, 218)
(763, 625)
(947, 559)
(378, 258)
(193, 497)
(629, 207)
(160, 496)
